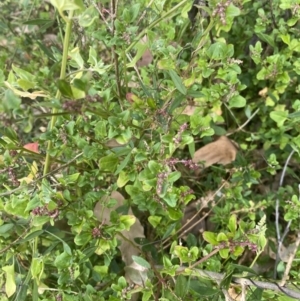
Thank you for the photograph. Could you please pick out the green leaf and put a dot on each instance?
(221, 237)
(83, 238)
(171, 199)
(175, 214)
(195, 285)
(67, 249)
(62, 260)
(36, 268)
(101, 269)
(63, 5)
(141, 48)
(109, 163)
(39, 221)
(169, 230)
(22, 292)
(103, 246)
(279, 117)
(126, 221)
(6, 228)
(10, 283)
(31, 236)
(69, 179)
(177, 82)
(122, 282)
(237, 101)
(141, 261)
(210, 237)
(224, 253)
(217, 51)
(147, 295)
(17, 209)
(154, 167)
(154, 220)
(123, 178)
(88, 17)
(267, 38)
(181, 286)
(23, 74)
(232, 11)
(261, 243)
(238, 251)
(241, 269)
(65, 88)
(81, 84)
(123, 164)
(11, 101)
(232, 225)
(174, 176)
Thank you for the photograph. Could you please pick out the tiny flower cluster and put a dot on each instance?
(160, 181)
(96, 232)
(177, 139)
(233, 244)
(41, 211)
(76, 106)
(189, 163)
(12, 175)
(220, 11)
(183, 194)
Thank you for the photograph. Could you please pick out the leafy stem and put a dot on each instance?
(58, 94)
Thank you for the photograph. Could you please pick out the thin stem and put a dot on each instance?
(102, 16)
(114, 7)
(58, 94)
(195, 216)
(212, 253)
(175, 10)
(244, 124)
(279, 237)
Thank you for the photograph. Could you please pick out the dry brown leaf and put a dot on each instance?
(113, 143)
(127, 246)
(147, 56)
(32, 95)
(284, 252)
(189, 110)
(223, 151)
(134, 273)
(263, 92)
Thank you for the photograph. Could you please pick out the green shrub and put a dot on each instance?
(117, 176)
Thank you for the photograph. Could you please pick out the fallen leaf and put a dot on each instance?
(223, 151)
(263, 92)
(136, 273)
(127, 246)
(32, 95)
(189, 110)
(147, 56)
(34, 147)
(284, 252)
(146, 59)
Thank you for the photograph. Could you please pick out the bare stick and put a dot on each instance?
(279, 237)
(290, 261)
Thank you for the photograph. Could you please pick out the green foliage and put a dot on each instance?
(83, 115)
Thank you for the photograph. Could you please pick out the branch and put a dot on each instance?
(40, 178)
(239, 280)
(280, 238)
